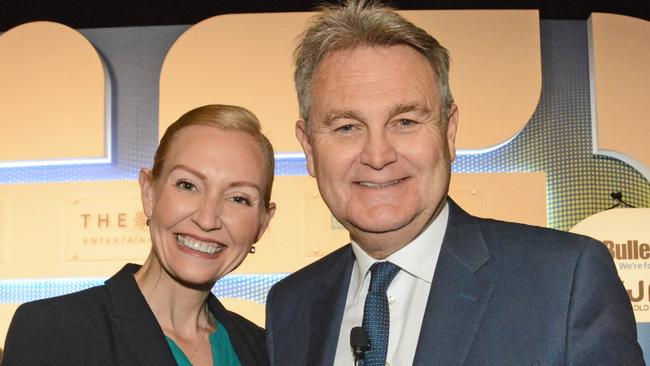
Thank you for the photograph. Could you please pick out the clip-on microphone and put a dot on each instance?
(359, 342)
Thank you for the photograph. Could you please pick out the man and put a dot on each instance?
(378, 127)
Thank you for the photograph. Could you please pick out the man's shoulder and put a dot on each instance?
(529, 240)
(317, 271)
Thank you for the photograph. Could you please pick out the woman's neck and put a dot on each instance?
(180, 310)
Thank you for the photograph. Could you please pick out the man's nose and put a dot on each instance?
(378, 150)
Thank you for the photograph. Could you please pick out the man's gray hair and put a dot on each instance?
(357, 23)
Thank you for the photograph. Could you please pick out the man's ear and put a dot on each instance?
(452, 128)
(146, 181)
(302, 134)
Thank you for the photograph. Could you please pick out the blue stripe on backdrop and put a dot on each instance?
(252, 287)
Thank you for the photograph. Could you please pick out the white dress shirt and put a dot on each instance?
(407, 294)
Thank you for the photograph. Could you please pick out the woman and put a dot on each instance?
(207, 203)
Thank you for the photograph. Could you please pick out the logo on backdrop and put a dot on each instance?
(106, 229)
(626, 234)
(632, 255)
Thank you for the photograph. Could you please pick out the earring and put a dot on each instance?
(148, 221)
(252, 249)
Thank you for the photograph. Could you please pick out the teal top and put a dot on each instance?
(223, 353)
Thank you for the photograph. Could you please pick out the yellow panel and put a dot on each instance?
(323, 234)
(495, 73)
(236, 59)
(516, 197)
(46, 229)
(302, 224)
(2, 230)
(6, 313)
(51, 98)
(93, 228)
(246, 59)
(620, 73)
(248, 309)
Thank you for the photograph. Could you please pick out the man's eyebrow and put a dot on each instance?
(340, 114)
(414, 107)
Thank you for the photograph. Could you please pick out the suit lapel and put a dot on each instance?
(327, 310)
(458, 295)
(134, 322)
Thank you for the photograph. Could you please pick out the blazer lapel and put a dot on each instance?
(458, 295)
(327, 310)
(134, 322)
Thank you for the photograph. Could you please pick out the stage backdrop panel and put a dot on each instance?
(246, 59)
(619, 50)
(53, 98)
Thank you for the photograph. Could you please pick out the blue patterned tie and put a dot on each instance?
(376, 316)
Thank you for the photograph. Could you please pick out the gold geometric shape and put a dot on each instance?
(620, 97)
(242, 59)
(495, 73)
(323, 234)
(301, 230)
(246, 59)
(515, 197)
(54, 98)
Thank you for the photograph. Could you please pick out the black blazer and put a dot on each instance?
(110, 325)
(502, 294)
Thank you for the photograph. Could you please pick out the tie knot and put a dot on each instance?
(381, 275)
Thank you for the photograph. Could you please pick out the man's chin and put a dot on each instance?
(376, 227)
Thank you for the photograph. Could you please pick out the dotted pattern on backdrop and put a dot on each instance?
(557, 140)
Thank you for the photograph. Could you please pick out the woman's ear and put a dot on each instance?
(146, 181)
(266, 219)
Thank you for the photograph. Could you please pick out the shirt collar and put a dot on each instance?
(418, 258)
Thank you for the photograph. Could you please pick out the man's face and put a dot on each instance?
(377, 144)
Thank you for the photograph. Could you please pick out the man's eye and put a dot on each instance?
(406, 122)
(186, 186)
(345, 128)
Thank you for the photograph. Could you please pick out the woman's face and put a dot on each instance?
(207, 206)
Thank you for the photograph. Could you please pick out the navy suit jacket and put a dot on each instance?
(502, 294)
(110, 325)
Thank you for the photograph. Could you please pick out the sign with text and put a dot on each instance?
(626, 234)
(106, 229)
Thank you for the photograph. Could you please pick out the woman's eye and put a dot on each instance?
(241, 200)
(186, 186)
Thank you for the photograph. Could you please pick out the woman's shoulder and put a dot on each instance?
(53, 324)
(77, 303)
